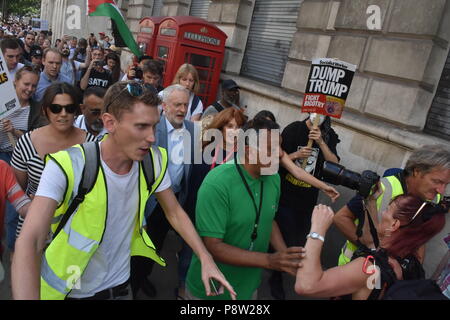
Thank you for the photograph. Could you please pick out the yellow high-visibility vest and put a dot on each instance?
(81, 236)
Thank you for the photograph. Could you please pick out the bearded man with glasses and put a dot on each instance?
(90, 120)
(426, 176)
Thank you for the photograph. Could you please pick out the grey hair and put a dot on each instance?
(170, 89)
(428, 157)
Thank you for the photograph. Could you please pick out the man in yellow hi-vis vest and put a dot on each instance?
(426, 175)
(89, 256)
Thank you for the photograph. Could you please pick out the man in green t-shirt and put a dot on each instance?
(235, 212)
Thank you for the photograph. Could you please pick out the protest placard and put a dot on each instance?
(328, 86)
(36, 24)
(8, 98)
(39, 24)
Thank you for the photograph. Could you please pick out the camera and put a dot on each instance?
(338, 175)
(138, 73)
(446, 202)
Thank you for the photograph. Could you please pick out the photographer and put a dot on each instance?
(72, 67)
(135, 68)
(96, 75)
(426, 175)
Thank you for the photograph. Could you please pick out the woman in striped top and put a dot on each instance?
(60, 106)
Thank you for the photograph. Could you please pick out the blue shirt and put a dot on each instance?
(175, 154)
(45, 82)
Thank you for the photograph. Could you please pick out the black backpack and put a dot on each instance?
(89, 175)
(423, 289)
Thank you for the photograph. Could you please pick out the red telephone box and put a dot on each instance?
(148, 30)
(187, 39)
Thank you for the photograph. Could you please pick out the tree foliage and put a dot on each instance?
(22, 8)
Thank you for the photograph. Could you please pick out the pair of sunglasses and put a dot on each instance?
(432, 209)
(135, 89)
(57, 108)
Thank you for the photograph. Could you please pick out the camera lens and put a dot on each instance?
(338, 175)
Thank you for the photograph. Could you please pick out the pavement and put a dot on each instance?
(165, 279)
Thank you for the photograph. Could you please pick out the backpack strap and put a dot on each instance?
(90, 172)
(373, 230)
(149, 173)
(218, 106)
(89, 175)
(387, 274)
(194, 104)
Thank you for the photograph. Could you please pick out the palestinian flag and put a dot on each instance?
(122, 34)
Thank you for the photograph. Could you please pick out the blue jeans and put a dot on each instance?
(12, 217)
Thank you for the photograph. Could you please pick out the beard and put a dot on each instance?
(97, 126)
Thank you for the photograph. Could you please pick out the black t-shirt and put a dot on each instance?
(99, 79)
(297, 194)
(26, 55)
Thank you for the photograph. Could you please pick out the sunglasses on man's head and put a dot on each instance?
(135, 89)
(57, 108)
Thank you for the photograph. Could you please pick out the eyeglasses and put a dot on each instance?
(57, 108)
(135, 89)
(95, 112)
(435, 208)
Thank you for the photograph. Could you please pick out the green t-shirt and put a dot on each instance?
(225, 211)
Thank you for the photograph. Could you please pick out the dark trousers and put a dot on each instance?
(294, 225)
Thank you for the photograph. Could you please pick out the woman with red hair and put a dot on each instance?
(406, 225)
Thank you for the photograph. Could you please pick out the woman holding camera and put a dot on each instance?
(96, 75)
(406, 225)
(113, 66)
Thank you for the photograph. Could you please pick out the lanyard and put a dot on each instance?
(257, 211)
(216, 151)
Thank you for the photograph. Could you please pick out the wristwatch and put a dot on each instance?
(315, 235)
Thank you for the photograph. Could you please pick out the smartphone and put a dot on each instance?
(215, 286)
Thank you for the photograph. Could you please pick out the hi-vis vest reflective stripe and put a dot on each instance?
(70, 252)
(392, 187)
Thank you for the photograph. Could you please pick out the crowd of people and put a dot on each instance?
(99, 163)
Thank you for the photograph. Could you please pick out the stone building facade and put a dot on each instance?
(399, 67)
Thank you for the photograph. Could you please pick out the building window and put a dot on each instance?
(438, 121)
(157, 8)
(273, 26)
(199, 8)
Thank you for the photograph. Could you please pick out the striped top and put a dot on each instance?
(25, 158)
(19, 120)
